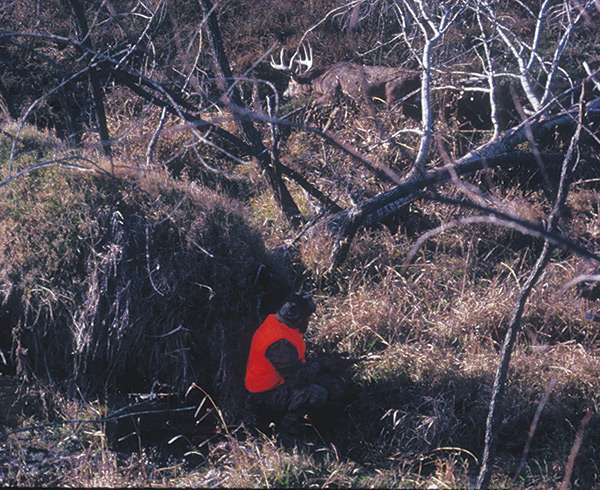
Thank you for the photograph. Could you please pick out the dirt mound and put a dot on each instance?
(128, 284)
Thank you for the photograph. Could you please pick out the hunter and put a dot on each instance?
(278, 375)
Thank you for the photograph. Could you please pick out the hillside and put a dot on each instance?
(159, 196)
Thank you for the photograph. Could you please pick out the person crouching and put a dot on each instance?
(278, 375)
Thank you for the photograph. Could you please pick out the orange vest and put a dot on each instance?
(260, 373)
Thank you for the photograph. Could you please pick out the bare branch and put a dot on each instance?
(282, 194)
(578, 280)
(537, 34)
(59, 162)
(495, 408)
(489, 69)
(155, 136)
(558, 53)
(524, 73)
(425, 22)
(30, 110)
(500, 218)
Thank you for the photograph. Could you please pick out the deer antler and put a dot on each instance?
(305, 59)
(282, 66)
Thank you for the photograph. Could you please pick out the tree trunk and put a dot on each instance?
(94, 79)
(236, 104)
(72, 120)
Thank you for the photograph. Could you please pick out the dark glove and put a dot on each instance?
(305, 375)
(335, 365)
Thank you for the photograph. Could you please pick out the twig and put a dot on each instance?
(154, 286)
(579, 279)
(575, 449)
(154, 140)
(500, 218)
(424, 20)
(217, 409)
(59, 162)
(534, 423)
(489, 68)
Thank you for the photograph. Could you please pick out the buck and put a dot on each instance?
(358, 82)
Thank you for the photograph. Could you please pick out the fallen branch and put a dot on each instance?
(109, 418)
(497, 153)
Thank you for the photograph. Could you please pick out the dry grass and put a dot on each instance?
(150, 279)
(127, 276)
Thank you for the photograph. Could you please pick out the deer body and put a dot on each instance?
(358, 82)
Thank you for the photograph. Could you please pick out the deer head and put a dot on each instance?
(298, 67)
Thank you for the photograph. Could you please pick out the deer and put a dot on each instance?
(355, 81)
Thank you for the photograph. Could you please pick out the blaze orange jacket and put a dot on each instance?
(261, 375)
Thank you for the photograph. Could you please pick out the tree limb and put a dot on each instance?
(496, 153)
(495, 408)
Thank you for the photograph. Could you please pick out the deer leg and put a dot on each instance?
(366, 94)
(331, 117)
(372, 111)
(390, 96)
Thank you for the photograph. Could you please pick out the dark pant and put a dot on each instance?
(291, 403)
(286, 398)
(290, 399)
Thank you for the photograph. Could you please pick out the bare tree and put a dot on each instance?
(235, 102)
(131, 63)
(433, 30)
(495, 410)
(550, 116)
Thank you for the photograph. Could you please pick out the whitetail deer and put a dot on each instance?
(358, 82)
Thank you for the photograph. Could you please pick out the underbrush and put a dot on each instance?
(416, 421)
